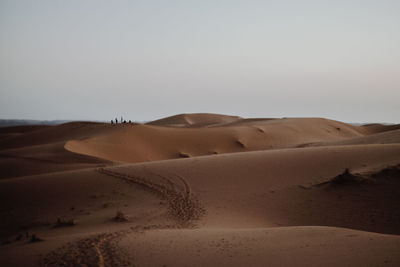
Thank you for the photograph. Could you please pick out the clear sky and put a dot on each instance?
(95, 60)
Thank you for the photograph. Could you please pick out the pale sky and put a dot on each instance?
(95, 60)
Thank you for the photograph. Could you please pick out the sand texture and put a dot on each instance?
(200, 190)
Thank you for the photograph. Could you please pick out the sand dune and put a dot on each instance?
(201, 190)
(51, 134)
(194, 120)
(388, 137)
(286, 246)
(44, 158)
(139, 143)
(276, 187)
(378, 128)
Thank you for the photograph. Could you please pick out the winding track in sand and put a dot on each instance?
(100, 250)
(183, 207)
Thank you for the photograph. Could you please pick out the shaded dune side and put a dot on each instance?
(45, 158)
(52, 134)
(15, 131)
(22, 129)
(142, 143)
(29, 150)
(388, 137)
(374, 128)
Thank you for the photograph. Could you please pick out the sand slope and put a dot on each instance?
(388, 137)
(279, 187)
(195, 120)
(286, 246)
(28, 150)
(201, 190)
(141, 143)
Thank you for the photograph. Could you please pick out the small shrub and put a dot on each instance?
(120, 217)
(64, 222)
(5, 242)
(34, 239)
(344, 178)
(184, 155)
(107, 205)
(18, 237)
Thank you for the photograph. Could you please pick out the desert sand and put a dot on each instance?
(201, 190)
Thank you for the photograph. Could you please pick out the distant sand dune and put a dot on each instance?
(194, 120)
(388, 137)
(141, 143)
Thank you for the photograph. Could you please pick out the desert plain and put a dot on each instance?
(200, 190)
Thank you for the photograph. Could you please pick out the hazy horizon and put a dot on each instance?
(95, 60)
(61, 121)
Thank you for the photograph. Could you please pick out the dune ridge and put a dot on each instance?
(201, 190)
(195, 120)
(140, 143)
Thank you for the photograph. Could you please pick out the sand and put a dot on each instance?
(201, 190)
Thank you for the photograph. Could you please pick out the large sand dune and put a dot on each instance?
(201, 190)
(139, 143)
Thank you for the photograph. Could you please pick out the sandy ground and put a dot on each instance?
(201, 190)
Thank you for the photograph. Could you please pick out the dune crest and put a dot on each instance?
(200, 190)
(141, 143)
(195, 120)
